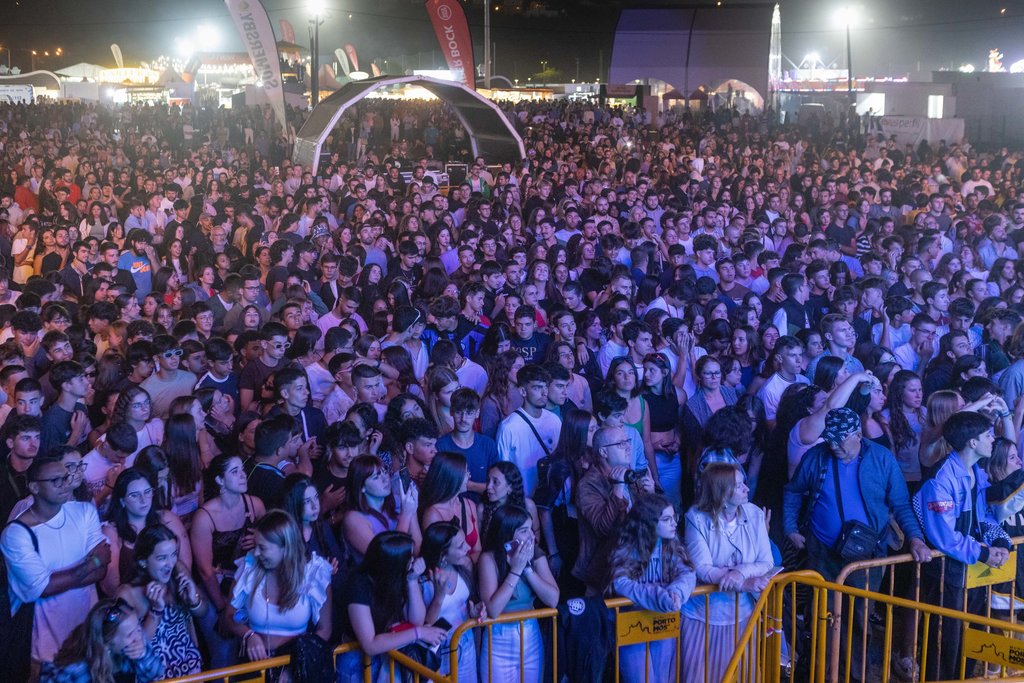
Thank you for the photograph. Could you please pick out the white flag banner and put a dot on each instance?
(254, 27)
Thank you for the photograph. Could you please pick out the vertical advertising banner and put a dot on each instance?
(257, 34)
(449, 21)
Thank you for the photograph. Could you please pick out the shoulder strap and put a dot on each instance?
(31, 534)
(533, 429)
(839, 489)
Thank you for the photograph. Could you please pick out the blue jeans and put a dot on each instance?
(350, 667)
(670, 472)
(637, 665)
(499, 653)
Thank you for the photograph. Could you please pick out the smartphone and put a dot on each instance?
(512, 546)
(441, 623)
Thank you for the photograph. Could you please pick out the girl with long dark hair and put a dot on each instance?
(371, 509)
(180, 445)
(513, 573)
(441, 498)
(129, 510)
(450, 593)
(906, 414)
(166, 599)
(382, 593)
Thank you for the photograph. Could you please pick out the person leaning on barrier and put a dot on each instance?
(959, 522)
(838, 504)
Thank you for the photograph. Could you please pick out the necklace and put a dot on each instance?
(63, 522)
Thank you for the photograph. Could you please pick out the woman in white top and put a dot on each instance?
(449, 592)
(279, 591)
(727, 543)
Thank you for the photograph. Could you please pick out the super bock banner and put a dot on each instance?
(254, 27)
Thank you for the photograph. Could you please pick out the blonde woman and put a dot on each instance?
(727, 543)
(280, 593)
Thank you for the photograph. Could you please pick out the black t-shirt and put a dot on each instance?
(276, 274)
(51, 263)
(267, 483)
(358, 590)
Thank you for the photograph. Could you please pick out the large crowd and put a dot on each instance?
(248, 411)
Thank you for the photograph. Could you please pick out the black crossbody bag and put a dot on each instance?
(857, 541)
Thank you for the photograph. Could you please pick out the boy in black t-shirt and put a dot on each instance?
(276, 448)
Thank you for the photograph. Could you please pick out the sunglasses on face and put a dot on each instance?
(173, 353)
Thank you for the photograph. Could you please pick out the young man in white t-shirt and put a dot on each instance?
(790, 353)
(530, 433)
(104, 463)
(55, 554)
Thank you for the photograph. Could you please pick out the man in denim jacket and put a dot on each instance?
(957, 521)
(871, 488)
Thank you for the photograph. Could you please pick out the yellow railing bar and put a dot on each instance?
(258, 667)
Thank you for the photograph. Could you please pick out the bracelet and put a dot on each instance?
(198, 603)
(416, 632)
(618, 481)
(514, 574)
(1004, 415)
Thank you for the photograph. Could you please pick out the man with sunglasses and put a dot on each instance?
(168, 380)
(273, 342)
(55, 553)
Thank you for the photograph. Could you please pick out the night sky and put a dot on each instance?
(897, 36)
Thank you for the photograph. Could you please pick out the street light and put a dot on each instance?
(847, 16)
(316, 8)
(209, 36)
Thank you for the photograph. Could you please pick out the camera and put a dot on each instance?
(633, 476)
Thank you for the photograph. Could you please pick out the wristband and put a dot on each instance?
(618, 481)
(1004, 415)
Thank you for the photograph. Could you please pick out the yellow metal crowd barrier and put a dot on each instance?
(765, 650)
(905, 640)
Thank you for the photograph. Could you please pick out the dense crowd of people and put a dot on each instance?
(247, 411)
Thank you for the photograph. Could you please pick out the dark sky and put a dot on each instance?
(896, 36)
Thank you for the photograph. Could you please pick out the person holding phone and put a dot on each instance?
(383, 606)
(450, 593)
(513, 574)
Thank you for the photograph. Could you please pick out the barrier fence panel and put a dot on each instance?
(892, 656)
(800, 628)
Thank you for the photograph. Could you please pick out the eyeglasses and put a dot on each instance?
(616, 443)
(716, 373)
(139, 496)
(139, 405)
(56, 482)
(76, 467)
(173, 353)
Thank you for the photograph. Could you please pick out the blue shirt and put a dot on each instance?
(825, 521)
(479, 457)
(141, 271)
